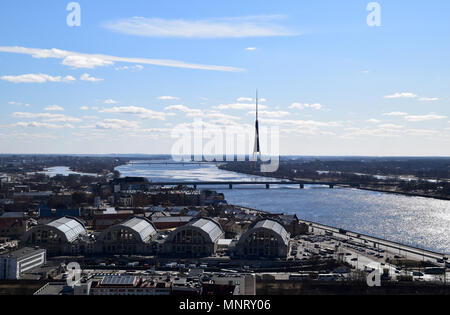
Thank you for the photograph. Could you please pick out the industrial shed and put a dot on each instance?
(58, 237)
(197, 238)
(265, 238)
(132, 236)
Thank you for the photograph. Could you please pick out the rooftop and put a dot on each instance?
(23, 253)
(274, 226)
(71, 227)
(211, 227)
(12, 215)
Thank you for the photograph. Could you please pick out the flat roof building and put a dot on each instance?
(14, 264)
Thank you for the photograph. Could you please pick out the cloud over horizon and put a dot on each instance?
(78, 60)
(227, 27)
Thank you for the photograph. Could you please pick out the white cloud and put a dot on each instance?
(401, 95)
(301, 123)
(244, 99)
(182, 108)
(54, 108)
(90, 61)
(239, 106)
(36, 78)
(46, 117)
(212, 114)
(133, 110)
(204, 114)
(18, 104)
(411, 95)
(84, 108)
(168, 98)
(132, 68)
(373, 121)
(302, 106)
(110, 101)
(35, 124)
(117, 124)
(395, 114)
(237, 27)
(87, 77)
(250, 48)
(391, 126)
(271, 114)
(419, 118)
(428, 99)
(421, 132)
(87, 62)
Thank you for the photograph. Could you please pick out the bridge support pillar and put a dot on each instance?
(267, 186)
(302, 186)
(195, 187)
(231, 186)
(331, 186)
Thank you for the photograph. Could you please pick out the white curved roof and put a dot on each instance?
(142, 226)
(209, 226)
(274, 226)
(71, 228)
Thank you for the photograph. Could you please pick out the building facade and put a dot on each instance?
(265, 238)
(62, 236)
(197, 238)
(132, 236)
(14, 264)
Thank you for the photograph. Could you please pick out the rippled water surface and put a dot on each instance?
(423, 222)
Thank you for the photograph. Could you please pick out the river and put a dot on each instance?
(416, 221)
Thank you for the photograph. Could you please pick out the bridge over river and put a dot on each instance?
(267, 184)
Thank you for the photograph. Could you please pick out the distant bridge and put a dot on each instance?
(174, 163)
(267, 184)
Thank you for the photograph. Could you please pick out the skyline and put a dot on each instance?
(130, 73)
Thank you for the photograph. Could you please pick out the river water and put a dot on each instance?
(417, 221)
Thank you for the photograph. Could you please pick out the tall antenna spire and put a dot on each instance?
(257, 150)
(257, 105)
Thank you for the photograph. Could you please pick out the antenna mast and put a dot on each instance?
(257, 150)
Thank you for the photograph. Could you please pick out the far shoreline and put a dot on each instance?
(408, 194)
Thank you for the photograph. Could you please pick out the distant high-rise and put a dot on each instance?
(257, 149)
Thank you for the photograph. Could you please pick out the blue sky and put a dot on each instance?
(333, 84)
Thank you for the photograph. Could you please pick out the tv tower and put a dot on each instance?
(257, 149)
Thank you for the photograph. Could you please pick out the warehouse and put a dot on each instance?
(197, 238)
(62, 236)
(133, 236)
(265, 238)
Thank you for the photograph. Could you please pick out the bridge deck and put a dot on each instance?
(219, 183)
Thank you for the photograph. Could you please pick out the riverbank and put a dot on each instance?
(331, 179)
